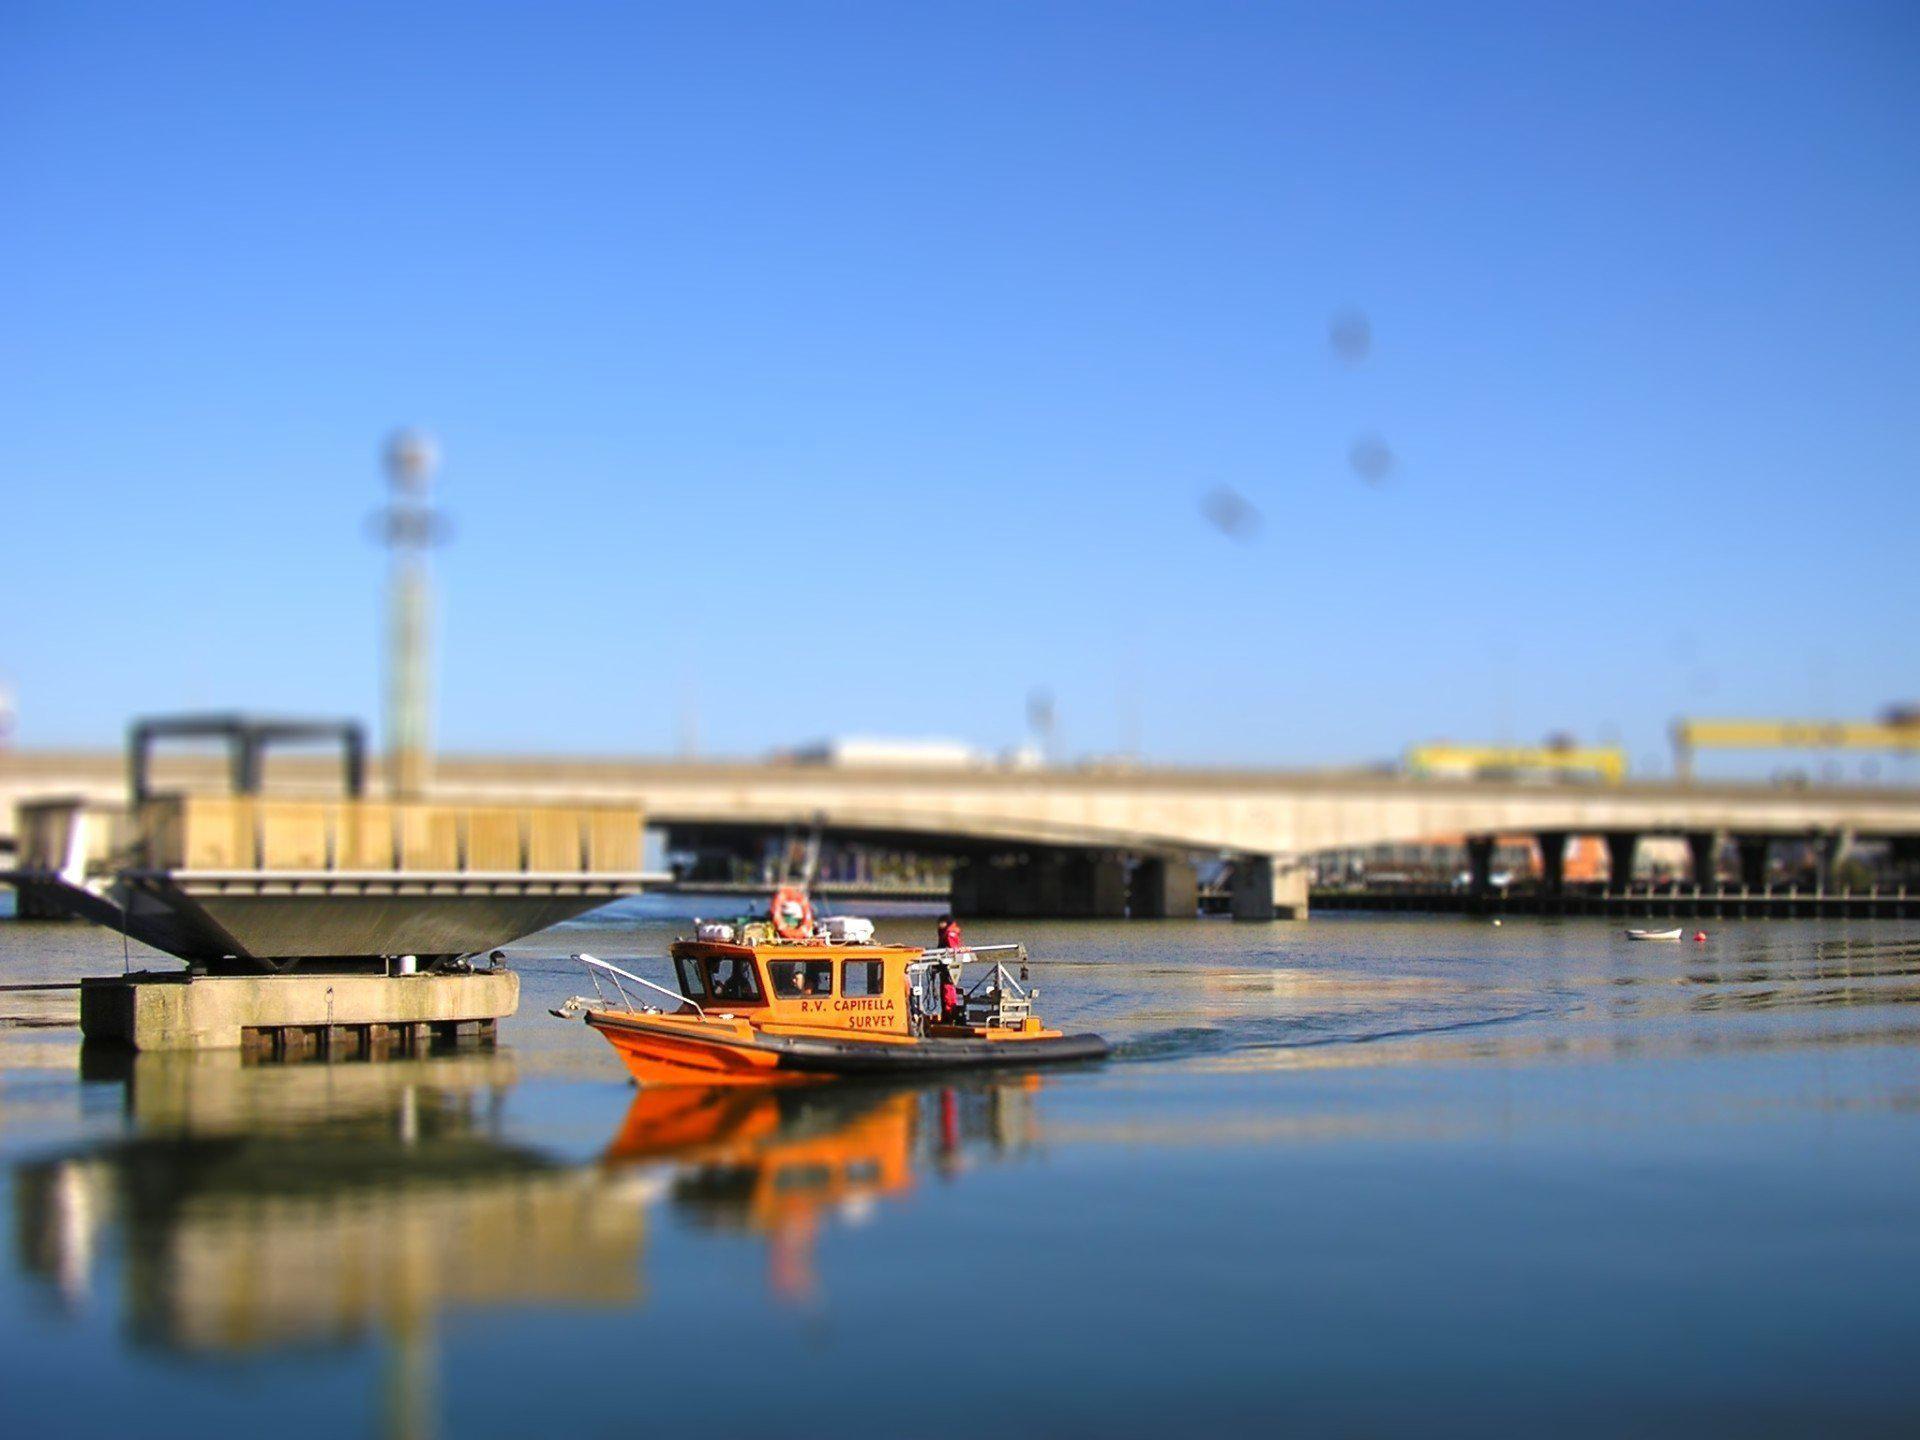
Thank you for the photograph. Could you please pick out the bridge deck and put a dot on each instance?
(1142, 810)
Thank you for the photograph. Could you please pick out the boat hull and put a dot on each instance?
(662, 1052)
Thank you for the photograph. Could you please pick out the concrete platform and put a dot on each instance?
(289, 1016)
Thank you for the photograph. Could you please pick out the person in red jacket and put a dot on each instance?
(950, 1012)
(947, 933)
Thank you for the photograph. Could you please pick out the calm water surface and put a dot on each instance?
(1350, 1176)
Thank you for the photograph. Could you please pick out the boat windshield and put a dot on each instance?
(730, 978)
(800, 977)
(693, 979)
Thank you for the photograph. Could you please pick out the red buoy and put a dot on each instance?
(1700, 937)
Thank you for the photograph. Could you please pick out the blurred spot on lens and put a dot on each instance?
(1371, 459)
(1230, 512)
(1350, 335)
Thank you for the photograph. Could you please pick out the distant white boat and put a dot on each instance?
(1673, 934)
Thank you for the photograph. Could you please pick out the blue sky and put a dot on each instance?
(816, 369)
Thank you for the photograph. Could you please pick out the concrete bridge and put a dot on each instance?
(1092, 840)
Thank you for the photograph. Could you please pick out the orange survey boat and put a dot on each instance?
(756, 1007)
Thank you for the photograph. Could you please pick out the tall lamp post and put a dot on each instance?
(409, 526)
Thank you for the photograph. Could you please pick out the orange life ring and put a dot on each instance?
(791, 913)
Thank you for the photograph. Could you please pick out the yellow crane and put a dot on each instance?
(1603, 762)
(1896, 732)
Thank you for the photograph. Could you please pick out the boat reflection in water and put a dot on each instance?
(784, 1163)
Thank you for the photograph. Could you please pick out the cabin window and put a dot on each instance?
(863, 977)
(732, 978)
(795, 978)
(693, 984)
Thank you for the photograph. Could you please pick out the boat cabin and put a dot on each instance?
(888, 989)
(843, 987)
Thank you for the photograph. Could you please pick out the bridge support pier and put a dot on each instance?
(1753, 861)
(1037, 889)
(1163, 889)
(963, 888)
(1622, 846)
(1003, 886)
(1043, 885)
(1553, 860)
(1480, 864)
(1094, 887)
(1268, 888)
(1704, 847)
(1904, 852)
(1829, 851)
